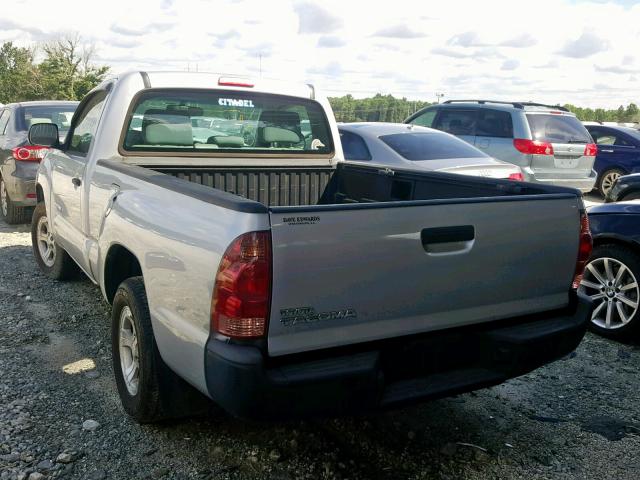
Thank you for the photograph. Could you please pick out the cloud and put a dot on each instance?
(315, 19)
(466, 39)
(584, 46)
(549, 64)
(628, 60)
(450, 52)
(520, 41)
(153, 27)
(223, 38)
(331, 41)
(398, 31)
(510, 64)
(331, 69)
(615, 69)
(265, 49)
(124, 42)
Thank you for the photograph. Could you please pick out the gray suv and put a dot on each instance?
(548, 143)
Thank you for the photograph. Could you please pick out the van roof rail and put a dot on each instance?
(519, 105)
(534, 104)
(514, 104)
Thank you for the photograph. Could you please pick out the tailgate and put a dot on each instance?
(568, 160)
(348, 274)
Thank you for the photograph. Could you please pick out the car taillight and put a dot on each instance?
(516, 176)
(533, 147)
(29, 153)
(590, 150)
(584, 250)
(242, 290)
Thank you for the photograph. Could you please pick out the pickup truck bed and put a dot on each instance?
(345, 183)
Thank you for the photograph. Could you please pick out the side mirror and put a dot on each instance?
(44, 134)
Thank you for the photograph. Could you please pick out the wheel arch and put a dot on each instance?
(119, 264)
(610, 239)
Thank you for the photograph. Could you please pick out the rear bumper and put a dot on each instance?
(584, 184)
(390, 373)
(21, 184)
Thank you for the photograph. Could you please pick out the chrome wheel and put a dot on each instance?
(46, 244)
(4, 202)
(128, 347)
(608, 180)
(614, 290)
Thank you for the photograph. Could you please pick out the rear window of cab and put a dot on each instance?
(219, 121)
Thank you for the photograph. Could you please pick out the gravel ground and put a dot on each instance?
(60, 415)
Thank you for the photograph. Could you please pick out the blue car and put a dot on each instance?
(618, 154)
(613, 270)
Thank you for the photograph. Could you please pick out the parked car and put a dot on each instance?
(18, 159)
(624, 188)
(612, 275)
(618, 154)
(410, 146)
(547, 142)
(279, 280)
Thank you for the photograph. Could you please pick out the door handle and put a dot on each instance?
(76, 181)
(448, 240)
(606, 150)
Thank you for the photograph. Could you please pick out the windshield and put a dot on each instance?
(227, 121)
(430, 146)
(557, 128)
(59, 114)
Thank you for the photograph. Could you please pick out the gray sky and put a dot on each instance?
(580, 52)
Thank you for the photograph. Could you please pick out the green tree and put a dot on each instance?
(67, 71)
(18, 74)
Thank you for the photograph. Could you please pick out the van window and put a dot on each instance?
(494, 123)
(426, 119)
(457, 121)
(557, 128)
(218, 121)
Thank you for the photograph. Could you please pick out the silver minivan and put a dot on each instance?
(548, 143)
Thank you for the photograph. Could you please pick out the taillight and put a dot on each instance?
(590, 150)
(29, 153)
(584, 250)
(242, 290)
(516, 176)
(533, 147)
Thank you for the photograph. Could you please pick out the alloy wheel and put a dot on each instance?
(128, 347)
(614, 290)
(46, 244)
(608, 180)
(4, 202)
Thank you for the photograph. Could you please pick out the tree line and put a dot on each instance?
(59, 70)
(387, 108)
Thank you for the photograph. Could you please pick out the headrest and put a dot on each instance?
(168, 134)
(280, 119)
(275, 134)
(226, 141)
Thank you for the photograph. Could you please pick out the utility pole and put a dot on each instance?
(260, 58)
(439, 96)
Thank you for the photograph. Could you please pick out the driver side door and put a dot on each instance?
(68, 187)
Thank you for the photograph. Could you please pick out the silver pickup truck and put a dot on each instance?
(254, 266)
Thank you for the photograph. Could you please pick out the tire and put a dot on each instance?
(154, 393)
(10, 212)
(616, 300)
(58, 264)
(607, 178)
